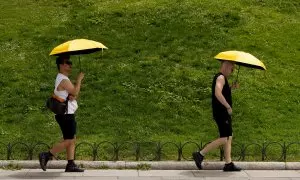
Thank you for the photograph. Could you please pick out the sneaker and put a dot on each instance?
(44, 158)
(198, 158)
(231, 167)
(73, 168)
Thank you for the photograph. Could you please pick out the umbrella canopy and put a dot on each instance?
(241, 58)
(77, 46)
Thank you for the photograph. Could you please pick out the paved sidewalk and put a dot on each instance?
(59, 174)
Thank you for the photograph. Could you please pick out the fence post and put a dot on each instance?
(179, 152)
(158, 151)
(221, 153)
(243, 152)
(8, 151)
(95, 151)
(263, 152)
(137, 151)
(116, 151)
(284, 150)
(30, 152)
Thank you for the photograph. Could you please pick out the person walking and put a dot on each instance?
(65, 90)
(222, 111)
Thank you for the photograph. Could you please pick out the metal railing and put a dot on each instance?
(155, 151)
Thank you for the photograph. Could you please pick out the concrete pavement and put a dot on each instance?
(149, 170)
(59, 174)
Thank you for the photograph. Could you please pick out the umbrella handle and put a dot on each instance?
(79, 65)
(237, 77)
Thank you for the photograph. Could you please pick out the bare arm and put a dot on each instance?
(218, 93)
(68, 86)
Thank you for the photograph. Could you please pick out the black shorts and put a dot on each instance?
(67, 125)
(224, 125)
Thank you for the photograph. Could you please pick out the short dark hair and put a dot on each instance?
(61, 60)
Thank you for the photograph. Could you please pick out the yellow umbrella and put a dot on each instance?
(241, 58)
(77, 46)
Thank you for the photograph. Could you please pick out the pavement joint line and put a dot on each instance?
(247, 173)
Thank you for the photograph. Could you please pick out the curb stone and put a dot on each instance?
(154, 165)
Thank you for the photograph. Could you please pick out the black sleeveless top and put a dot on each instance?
(218, 108)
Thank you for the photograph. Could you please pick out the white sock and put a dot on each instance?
(201, 153)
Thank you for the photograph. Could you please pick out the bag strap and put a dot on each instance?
(58, 98)
(67, 104)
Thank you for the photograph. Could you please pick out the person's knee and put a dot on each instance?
(228, 140)
(69, 142)
(224, 140)
(72, 141)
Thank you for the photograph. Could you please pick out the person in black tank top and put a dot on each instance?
(217, 106)
(222, 110)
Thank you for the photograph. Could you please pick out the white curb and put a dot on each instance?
(157, 165)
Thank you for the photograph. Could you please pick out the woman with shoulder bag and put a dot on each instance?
(66, 92)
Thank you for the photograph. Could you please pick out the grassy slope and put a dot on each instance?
(154, 81)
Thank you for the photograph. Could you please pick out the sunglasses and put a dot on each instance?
(68, 62)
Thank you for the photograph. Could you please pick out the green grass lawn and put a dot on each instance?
(154, 81)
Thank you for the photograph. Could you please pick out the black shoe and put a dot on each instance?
(44, 158)
(73, 168)
(198, 158)
(231, 167)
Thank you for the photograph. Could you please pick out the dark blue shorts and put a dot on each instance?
(67, 125)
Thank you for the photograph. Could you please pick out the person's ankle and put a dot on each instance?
(201, 153)
(71, 161)
(50, 154)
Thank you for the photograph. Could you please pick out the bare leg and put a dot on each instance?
(71, 166)
(213, 145)
(60, 146)
(71, 149)
(227, 150)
